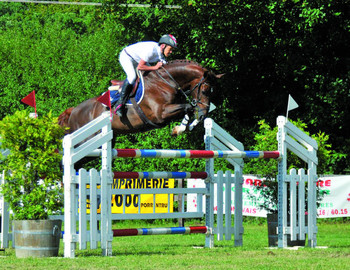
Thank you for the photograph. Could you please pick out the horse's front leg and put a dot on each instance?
(177, 130)
(171, 111)
(193, 124)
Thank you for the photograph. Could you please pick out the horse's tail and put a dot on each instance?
(64, 117)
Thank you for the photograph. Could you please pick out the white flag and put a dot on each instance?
(212, 107)
(291, 104)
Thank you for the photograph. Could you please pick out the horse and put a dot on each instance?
(181, 88)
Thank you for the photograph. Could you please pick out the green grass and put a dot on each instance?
(187, 252)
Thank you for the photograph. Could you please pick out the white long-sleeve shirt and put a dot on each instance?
(149, 51)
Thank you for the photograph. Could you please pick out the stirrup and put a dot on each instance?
(118, 107)
(120, 110)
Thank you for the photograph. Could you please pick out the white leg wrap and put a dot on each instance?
(193, 124)
(182, 127)
(185, 121)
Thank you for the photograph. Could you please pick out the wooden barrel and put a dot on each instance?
(37, 238)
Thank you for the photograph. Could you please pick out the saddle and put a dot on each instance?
(134, 98)
(117, 86)
(137, 91)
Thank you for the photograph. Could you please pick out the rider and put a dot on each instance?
(139, 56)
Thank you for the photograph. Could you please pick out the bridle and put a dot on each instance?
(195, 101)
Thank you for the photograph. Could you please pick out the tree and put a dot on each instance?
(268, 50)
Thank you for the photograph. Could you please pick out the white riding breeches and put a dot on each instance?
(129, 65)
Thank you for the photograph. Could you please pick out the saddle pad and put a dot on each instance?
(115, 93)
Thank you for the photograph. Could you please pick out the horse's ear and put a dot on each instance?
(218, 76)
(213, 75)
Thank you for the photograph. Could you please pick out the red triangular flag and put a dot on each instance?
(30, 99)
(105, 99)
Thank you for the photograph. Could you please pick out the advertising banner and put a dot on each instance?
(162, 201)
(250, 205)
(334, 203)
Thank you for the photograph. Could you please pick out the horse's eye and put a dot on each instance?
(208, 91)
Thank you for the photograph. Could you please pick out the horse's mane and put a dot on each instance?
(182, 62)
(184, 65)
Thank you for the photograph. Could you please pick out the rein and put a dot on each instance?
(194, 102)
(178, 88)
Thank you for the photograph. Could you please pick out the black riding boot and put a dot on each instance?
(124, 95)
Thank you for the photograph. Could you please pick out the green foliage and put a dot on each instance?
(266, 195)
(268, 49)
(33, 175)
(66, 57)
(265, 140)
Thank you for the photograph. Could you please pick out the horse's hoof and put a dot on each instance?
(174, 131)
(178, 130)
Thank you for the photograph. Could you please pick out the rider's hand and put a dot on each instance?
(159, 65)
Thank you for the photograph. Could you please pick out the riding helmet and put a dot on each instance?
(169, 40)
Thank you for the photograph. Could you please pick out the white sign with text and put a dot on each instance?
(335, 202)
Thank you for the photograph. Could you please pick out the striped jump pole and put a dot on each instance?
(157, 231)
(160, 231)
(149, 153)
(157, 175)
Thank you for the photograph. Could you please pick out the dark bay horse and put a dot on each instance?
(179, 88)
